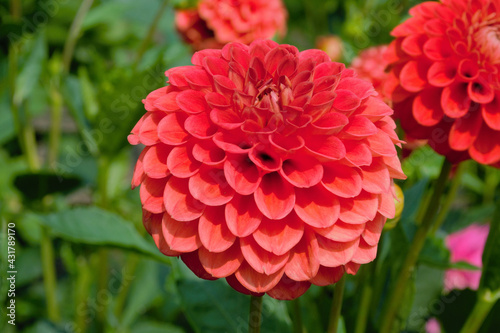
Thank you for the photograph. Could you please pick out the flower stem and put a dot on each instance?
(484, 303)
(149, 36)
(74, 31)
(83, 282)
(366, 298)
(297, 316)
(255, 314)
(336, 306)
(416, 246)
(55, 125)
(49, 276)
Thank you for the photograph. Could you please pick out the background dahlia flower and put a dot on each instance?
(266, 166)
(466, 245)
(217, 22)
(445, 77)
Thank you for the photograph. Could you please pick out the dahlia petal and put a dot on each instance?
(480, 92)
(333, 254)
(148, 133)
(178, 201)
(210, 187)
(317, 56)
(262, 261)
(166, 103)
(273, 58)
(198, 79)
(325, 83)
(455, 100)
(302, 173)
(180, 236)
(303, 88)
(242, 215)
(486, 147)
(133, 137)
(413, 44)
(316, 206)
(373, 230)
(427, 108)
(257, 282)
(351, 268)
(360, 88)
(274, 197)
(410, 26)
(153, 225)
(437, 49)
(287, 66)
(176, 76)
(303, 262)
(376, 178)
(171, 129)
(221, 264)
(358, 153)
(224, 85)
(215, 66)
(342, 180)
(192, 101)
(181, 163)
(360, 126)
(341, 232)
(464, 131)
(327, 147)
(468, 69)
(242, 174)
(217, 101)
(381, 144)
(193, 262)
(155, 161)
(441, 74)
(200, 126)
(435, 27)
(321, 103)
(151, 193)
(394, 166)
(288, 289)
(279, 236)
(264, 158)
(213, 231)
(138, 175)
(365, 253)
(327, 275)
(286, 144)
(150, 100)
(256, 71)
(374, 109)
(208, 153)
(360, 209)
(490, 113)
(236, 285)
(330, 123)
(346, 100)
(387, 207)
(329, 68)
(232, 143)
(413, 76)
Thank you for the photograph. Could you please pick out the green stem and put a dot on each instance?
(484, 303)
(255, 314)
(366, 298)
(336, 306)
(416, 246)
(83, 282)
(149, 36)
(450, 198)
(132, 262)
(297, 316)
(49, 276)
(55, 125)
(74, 31)
(492, 180)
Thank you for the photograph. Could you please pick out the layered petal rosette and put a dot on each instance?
(217, 22)
(445, 78)
(266, 166)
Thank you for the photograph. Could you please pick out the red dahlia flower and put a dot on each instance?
(217, 22)
(268, 167)
(445, 78)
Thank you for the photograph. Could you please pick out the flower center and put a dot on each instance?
(488, 39)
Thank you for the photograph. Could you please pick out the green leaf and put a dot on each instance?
(154, 327)
(413, 198)
(95, 226)
(490, 278)
(28, 257)
(30, 72)
(7, 127)
(213, 306)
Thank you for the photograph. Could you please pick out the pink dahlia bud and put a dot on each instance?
(266, 166)
(217, 22)
(445, 78)
(466, 245)
(371, 64)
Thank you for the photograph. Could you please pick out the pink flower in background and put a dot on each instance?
(371, 65)
(466, 245)
(432, 326)
(217, 22)
(332, 45)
